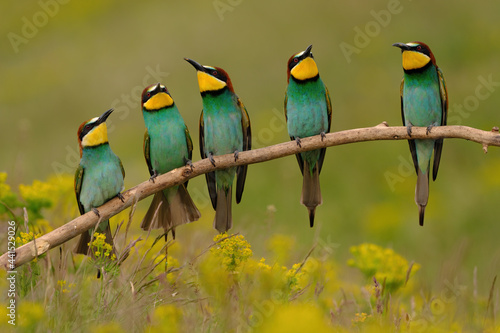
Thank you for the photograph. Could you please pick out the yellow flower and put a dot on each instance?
(381, 263)
(262, 264)
(166, 318)
(231, 250)
(31, 315)
(296, 318)
(360, 318)
(26, 237)
(100, 248)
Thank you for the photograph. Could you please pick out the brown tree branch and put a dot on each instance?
(83, 223)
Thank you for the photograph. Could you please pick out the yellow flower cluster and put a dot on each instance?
(100, 248)
(7, 197)
(262, 265)
(360, 318)
(25, 238)
(166, 318)
(381, 263)
(294, 276)
(64, 287)
(39, 193)
(231, 250)
(4, 188)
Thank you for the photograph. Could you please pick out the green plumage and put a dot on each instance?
(308, 112)
(424, 103)
(224, 129)
(167, 146)
(98, 178)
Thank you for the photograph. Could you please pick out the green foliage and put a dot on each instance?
(383, 264)
(56, 192)
(225, 288)
(102, 256)
(8, 199)
(29, 274)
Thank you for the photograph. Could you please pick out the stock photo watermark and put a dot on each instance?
(264, 309)
(434, 312)
(364, 35)
(457, 113)
(261, 138)
(122, 107)
(225, 6)
(11, 273)
(31, 25)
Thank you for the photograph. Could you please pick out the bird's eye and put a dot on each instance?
(87, 127)
(149, 95)
(295, 59)
(215, 73)
(419, 47)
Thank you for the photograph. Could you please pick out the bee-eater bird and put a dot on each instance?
(99, 176)
(167, 145)
(424, 102)
(224, 129)
(308, 112)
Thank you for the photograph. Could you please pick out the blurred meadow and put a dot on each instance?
(63, 62)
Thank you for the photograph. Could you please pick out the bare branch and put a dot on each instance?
(382, 131)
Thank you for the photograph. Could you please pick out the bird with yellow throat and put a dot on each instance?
(224, 129)
(99, 176)
(424, 102)
(167, 146)
(308, 112)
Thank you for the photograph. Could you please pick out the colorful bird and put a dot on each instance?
(99, 176)
(224, 129)
(167, 145)
(424, 102)
(308, 112)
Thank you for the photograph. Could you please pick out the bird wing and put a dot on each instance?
(78, 187)
(147, 155)
(210, 176)
(189, 143)
(298, 156)
(411, 143)
(329, 111)
(241, 171)
(438, 146)
(121, 167)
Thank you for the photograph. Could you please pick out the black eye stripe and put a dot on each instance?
(86, 129)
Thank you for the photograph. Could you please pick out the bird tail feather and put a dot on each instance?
(83, 244)
(223, 217)
(422, 193)
(168, 213)
(311, 192)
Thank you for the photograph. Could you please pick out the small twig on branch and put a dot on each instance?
(382, 131)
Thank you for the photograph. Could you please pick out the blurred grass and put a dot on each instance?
(90, 55)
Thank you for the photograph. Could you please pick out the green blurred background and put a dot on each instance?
(86, 57)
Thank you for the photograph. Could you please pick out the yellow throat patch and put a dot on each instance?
(414, 60)
(158, 101)
(209, 83)
(96, 137)
(306, 69)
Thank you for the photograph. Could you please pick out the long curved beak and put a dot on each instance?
(104, 116)
(307, 52)
(402, 46)
(196, 65)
